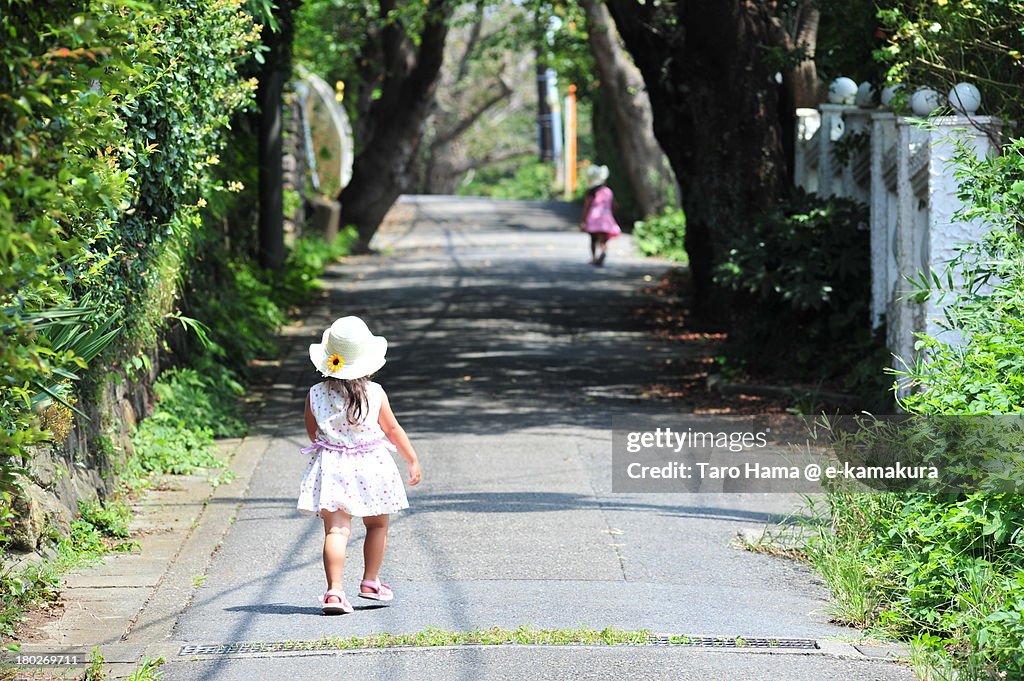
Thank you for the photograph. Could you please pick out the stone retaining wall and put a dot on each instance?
(82, 466)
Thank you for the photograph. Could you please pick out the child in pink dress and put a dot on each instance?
(351, 471)
(598, 219)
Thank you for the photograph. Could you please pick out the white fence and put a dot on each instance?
(903, 170)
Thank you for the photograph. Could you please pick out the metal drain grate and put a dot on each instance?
(735, 642)
(256, 647)
(654, 639)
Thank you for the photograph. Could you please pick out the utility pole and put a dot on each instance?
(273, 74)
(570, 142)
(545, 138)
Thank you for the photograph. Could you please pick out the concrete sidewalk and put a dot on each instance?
(503, 341)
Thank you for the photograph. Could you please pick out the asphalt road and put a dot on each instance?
(503, 343)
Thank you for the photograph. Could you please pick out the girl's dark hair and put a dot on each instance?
(355, 396)
(593, 190)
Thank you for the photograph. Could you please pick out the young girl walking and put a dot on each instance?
(351, 471)
(597, 218)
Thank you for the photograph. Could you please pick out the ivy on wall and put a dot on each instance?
(114, 114)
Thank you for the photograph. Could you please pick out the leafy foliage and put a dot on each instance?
(110, 519)
(663, 235)
(943, 42)
(947, 571)
(116, 111)
(532, 180)
(943, 571)
(984, 375)
(203, 398)
(802, 274)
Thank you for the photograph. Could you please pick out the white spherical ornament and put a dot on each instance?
(965, 98)
(890, 91)
(925, 101)
(842, 91)
(865, 98)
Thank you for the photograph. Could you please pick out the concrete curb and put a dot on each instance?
(156, 619)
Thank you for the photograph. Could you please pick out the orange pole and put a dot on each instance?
(570, 142)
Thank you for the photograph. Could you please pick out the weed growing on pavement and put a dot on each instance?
(95, 671)
(148, 670)
(109, 518)
(780, 544)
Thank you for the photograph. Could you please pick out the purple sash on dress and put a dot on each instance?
(345, 449)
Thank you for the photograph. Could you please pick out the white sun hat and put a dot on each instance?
(596, 176)
(348, 350)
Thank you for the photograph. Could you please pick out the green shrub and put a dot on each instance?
(944, 571)
(306, 262)
(663, 235)
(529, 180)
(802, 281)
(109, 518)
(203, 397)
(985, 375)
(947, 571)
(166, 444)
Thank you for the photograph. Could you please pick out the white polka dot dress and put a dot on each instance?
(351, 467)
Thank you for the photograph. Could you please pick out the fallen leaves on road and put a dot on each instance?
(666, 315)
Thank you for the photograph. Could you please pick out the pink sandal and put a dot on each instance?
(341, 605)
(380, 590)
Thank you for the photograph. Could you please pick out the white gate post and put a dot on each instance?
(883, 214)
(927, 236)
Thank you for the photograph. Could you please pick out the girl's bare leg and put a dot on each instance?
(337, 529)
(602, 239)
(593, 248)
(374, 546)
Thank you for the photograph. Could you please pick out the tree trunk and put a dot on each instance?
(716, 114)
(273, 74)
(623, 87)
(394, 125)
(444, 155)
(439, 176)
(800, 86)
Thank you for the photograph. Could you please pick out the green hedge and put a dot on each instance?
(113, 114)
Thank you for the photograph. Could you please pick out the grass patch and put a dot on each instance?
(521, 635)
(433, 637)
(100, 529)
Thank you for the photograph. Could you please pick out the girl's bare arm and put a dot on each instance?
(394, 432)
(311, 426)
